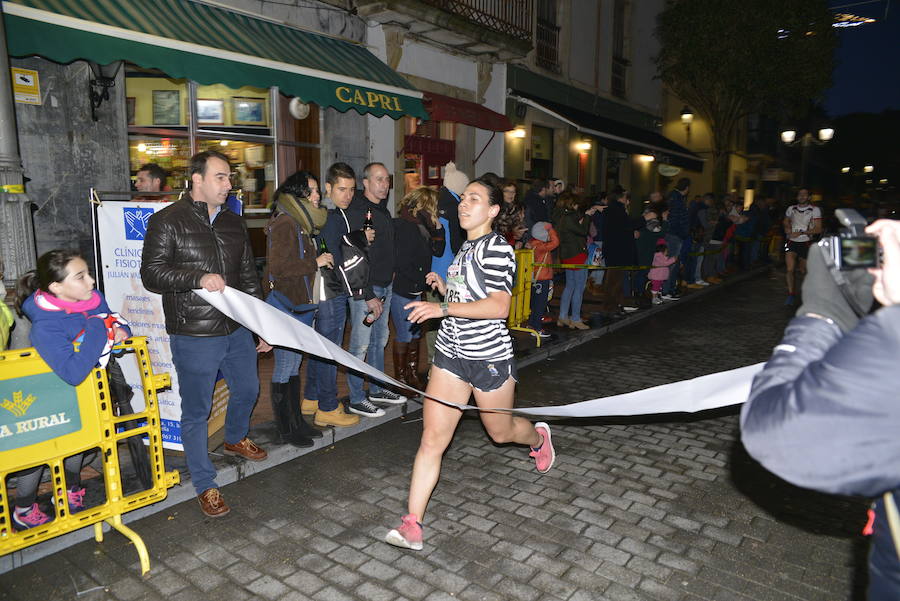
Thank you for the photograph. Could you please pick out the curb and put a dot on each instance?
(232, 470)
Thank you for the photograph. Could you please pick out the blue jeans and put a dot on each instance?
(698, 262)
(404, 330)
(287, 362)
(640, 281)
(540, 292)
(570, 303)
(198, 359)
(687, 261)
(368, 343)
(321, 374)
(674, 243)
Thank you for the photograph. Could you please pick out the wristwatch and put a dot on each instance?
(445, 309)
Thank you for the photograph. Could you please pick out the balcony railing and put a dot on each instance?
(509, 17)
(547, 45)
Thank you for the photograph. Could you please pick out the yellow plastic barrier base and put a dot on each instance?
(520, 307)
(43, 421)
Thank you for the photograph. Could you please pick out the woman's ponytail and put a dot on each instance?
(25, 287)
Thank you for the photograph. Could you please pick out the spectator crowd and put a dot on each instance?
(339, 260)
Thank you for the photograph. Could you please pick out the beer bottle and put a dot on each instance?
(369, 319)
(367, 224)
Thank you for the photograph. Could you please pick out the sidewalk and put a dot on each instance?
(262, 430)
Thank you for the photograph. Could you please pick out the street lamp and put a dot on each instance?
(687, 117)
(806, 141)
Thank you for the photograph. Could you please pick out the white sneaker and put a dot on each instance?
(702, 282)
(386, 396)
(628, 309)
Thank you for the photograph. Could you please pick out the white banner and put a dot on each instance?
(688, 396)
(121, 226)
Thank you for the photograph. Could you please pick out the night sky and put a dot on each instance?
(867, 75)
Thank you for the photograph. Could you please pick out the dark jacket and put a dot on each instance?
(381, 251)
(286, 270)
(180, 247)
(678, 215)
(416, 241)
(536, 209)
(355, 269)
(646, 242)
(572, 228)
(350, 275)
(619, 246)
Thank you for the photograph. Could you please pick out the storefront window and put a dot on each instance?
(253, 167)
(172, 154)
(239, 122)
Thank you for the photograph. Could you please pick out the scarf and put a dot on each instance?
(309, 218)
(48, 302)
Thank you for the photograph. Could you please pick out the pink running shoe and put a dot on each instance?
(29, 518)
(76, 500)
(544, 455)
(408, 535)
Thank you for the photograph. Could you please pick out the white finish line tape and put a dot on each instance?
(688, 396)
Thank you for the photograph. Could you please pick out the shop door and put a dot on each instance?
(541, 152)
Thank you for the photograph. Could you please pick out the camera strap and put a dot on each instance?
(842, 284)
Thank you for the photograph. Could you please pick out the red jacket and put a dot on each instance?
(543, 253)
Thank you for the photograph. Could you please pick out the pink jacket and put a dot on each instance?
(661, 264)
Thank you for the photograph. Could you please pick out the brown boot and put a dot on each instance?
(412, 366)
(336, 417)
(401, 350)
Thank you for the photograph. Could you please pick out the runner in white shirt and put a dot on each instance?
(473, 354)
(802, 221)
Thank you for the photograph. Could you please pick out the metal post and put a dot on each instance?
(806, 142)
(17, 249)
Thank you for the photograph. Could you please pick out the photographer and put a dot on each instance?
(824, 412)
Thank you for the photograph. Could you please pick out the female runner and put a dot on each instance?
(473, 353)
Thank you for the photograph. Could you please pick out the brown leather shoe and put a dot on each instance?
(247, 449)
(212, 503)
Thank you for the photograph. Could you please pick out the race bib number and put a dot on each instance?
(456, 286)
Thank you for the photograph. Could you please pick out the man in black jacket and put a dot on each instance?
(349, 278)
(197, 242)
(537, 203)
(368, 342)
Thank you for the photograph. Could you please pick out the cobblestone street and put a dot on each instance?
(665, 507)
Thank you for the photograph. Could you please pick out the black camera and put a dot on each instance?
(852, 248)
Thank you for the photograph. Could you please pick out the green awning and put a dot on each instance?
(211, 44)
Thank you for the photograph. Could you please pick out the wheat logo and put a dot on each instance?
(18, 406)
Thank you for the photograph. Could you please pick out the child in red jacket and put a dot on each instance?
(544, 241)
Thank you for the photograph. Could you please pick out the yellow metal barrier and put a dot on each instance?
(43, 421)
(520, 307)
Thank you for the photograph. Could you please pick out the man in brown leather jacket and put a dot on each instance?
(197, 242)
